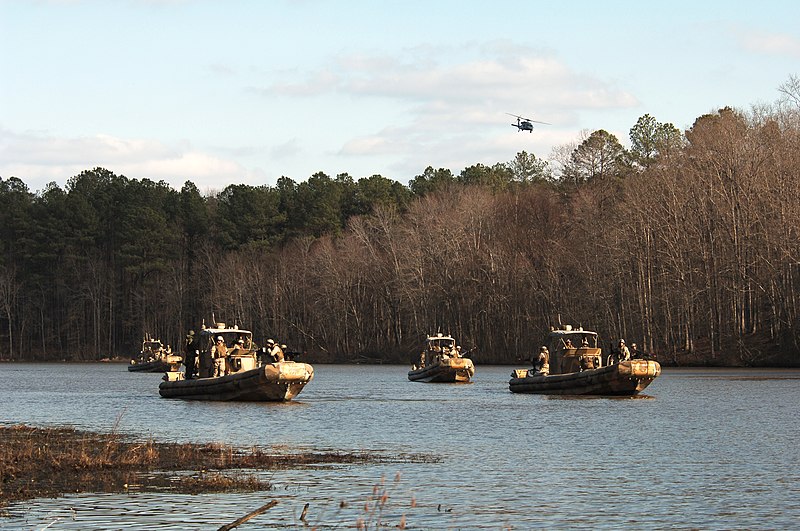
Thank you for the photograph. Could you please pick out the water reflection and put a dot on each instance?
(591, 397)
(702, 449)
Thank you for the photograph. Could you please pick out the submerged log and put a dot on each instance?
(248, 516)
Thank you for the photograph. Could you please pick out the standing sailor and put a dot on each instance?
(624, 353)
(190, 355)
(219, 352)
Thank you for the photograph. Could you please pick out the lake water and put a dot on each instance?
(701, 449)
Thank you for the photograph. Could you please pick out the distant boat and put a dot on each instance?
(252, 377)
(155, 358)
(441, 361)
(580, 370)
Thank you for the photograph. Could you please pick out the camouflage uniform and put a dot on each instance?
(275, 351)
(624, 353)
(541, 363)
(218, 354)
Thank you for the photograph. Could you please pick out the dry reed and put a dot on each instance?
(47, 462)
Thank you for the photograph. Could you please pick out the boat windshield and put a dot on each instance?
(231, 337)
(437, 344)
(576, 339)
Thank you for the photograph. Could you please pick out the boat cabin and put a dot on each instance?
(241, 356)
(152, 349)
(438, 347)
(573, 350)
(441, 345)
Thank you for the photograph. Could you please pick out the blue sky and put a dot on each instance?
(249, 91)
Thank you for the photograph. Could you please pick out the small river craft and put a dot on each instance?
(442, 361)
(155, 358)
(581, 369)
(251, 374)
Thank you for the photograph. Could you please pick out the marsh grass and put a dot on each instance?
(386, 506)
(48, 462)
(376, 504)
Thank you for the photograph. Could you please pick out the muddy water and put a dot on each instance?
(702, 449)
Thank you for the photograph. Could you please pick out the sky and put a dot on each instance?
(244, 92)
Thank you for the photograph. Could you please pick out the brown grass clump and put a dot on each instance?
(47, 462)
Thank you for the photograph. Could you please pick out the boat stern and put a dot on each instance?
(173, 376)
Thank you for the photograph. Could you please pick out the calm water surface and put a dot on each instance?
(703, 449)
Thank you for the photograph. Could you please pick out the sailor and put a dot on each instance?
(541, 362)
(584, 342)
(274, 351)
(233, 360)
(147, 353)
(218, 354)
(624, 353)
(445, 352)
(587, 362)
(270, 346)
(190, 355)
(238, 348)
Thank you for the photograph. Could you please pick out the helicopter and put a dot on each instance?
(525, 124)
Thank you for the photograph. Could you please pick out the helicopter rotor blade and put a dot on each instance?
(523, 119)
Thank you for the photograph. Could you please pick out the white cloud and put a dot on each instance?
(494, 72)
(372, 145)
(779, 44)
(287, 150)
(39, 158)
(443, 100)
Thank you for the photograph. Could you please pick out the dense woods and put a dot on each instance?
(686, 243)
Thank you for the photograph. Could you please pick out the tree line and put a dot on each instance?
(686, 243)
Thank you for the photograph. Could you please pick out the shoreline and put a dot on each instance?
(47, 462)
(685, 364)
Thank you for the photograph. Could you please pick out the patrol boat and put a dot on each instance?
(155, 358)
(577, 367)
(442, 361)
(252, 375)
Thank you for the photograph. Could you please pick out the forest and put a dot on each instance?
(686, 243)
